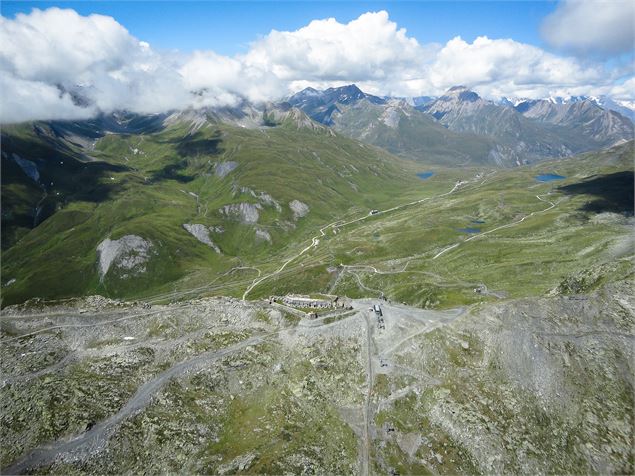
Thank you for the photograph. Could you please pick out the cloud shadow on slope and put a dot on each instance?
(612, 192)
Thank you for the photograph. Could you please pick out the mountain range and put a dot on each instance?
(154, 196)
(461, 127)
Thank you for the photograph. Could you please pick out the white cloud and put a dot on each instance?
(624, 91)
(494, 68)
(54, 44)
(47, 55)
(370, 47)
(50, 58)
(506, 67)
(231, 78)
(23, 100)
(592, 26)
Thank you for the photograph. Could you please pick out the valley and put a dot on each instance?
(240, 223)
(139, 330)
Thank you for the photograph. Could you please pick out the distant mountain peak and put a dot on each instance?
(321, 105)
(349, 88)
(308, 92)
(461, 93)
(458, 88)
(345, 94)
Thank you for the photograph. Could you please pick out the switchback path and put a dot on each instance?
(315, 241)
(82, 446)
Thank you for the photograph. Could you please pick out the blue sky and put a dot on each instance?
(228, 27)
(154, 56)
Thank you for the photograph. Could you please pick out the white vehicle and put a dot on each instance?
(377, 309)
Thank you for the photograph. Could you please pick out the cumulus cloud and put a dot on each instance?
(624, 91)
(492, 67)
(30, 100)
(370, 47)
(226, 79)
(592, 26)
(57, 64)
(507, 68)
(53, 44)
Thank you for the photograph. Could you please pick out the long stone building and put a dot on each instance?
(323, 302)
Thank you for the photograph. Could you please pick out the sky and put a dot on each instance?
(72, 60)
(228, 27)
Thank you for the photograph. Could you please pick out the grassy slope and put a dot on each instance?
(65, 175)
(147, 193)
(546, 250)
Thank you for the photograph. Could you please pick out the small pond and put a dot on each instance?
(425, 175)
(469, 230)
(478, 222)
(549, 177)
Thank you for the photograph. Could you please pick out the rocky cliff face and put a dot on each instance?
(602, 125)
(246, 213)
(532, 129)
(461, 126)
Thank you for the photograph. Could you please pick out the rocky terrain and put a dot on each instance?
(128, 253)
(461, 127)
(535, 386)
(201, 233)
(223, 386)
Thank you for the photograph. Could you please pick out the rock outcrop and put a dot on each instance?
(246, 213)
(201, 233)
(221, 169)
(298, 208)
(263, 235)
(129, 254)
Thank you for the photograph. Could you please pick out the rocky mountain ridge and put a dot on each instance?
(495, 132)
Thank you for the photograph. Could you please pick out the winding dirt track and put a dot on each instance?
(339, 224)
(97, 437)
(83, 445)
(508, 225)
(315, 241)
